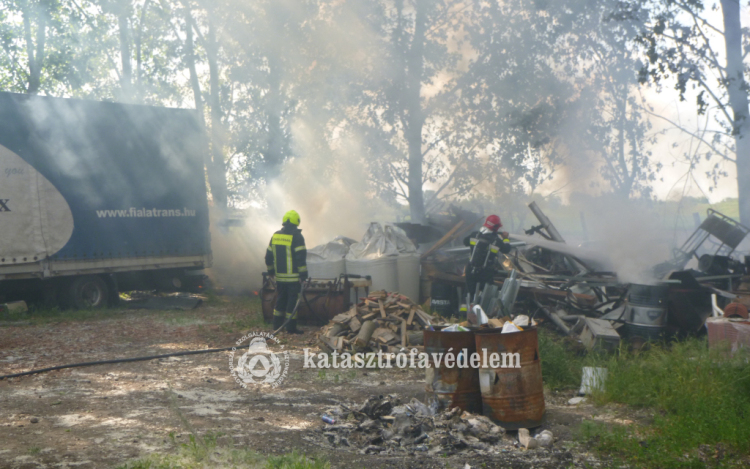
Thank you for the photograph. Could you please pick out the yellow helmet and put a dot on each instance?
(292, 217)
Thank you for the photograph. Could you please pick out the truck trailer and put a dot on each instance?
(98, 198)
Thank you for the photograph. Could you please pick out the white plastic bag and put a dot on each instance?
(510, 327)
(521, 320)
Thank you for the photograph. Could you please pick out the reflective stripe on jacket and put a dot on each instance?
(286, 256)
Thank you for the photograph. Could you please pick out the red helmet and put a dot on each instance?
(493, 223)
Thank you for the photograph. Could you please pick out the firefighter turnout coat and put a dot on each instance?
(286, 257)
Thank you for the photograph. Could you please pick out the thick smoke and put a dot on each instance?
(627, 238)
(326, 187)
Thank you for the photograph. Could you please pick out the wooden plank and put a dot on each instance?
(425, 317)
(404, 337)
(411, 315)
(419, 316)
(365, 333)
(345, 317)
(384, 335)
(335, 330)
(447, 237)
(382, 309)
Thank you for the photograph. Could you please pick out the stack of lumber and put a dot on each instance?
(382, 321)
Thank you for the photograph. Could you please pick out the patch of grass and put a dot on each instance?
(34, 450)
(561, 364)
(213, 299)
(248, 314)
(701, 402)
(205, 453)
(38, 315)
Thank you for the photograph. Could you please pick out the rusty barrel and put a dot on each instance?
(511, 396)
(453, 386)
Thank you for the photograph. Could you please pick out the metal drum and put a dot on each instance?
(512, 397)
(453, 387)
(646, 317)
(443, 299)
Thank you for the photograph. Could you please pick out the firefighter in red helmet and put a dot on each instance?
(485, 244)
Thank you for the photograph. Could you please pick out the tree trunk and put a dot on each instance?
(126, 78)
(738, 100)
(415, 117)
(273, 151)
(138, 44)
(190, 58)
(36, 55)
(622, 164)
(216, 171)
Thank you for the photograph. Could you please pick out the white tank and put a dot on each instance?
(382, 270)
(375, 256)
(407, 267)
(326, 269)
(327, 260)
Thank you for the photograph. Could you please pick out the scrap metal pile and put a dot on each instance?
(548, 281)
(381, 321)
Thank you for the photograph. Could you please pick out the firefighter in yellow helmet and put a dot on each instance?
(286, 259)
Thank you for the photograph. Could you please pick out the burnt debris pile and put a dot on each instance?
(384, 425)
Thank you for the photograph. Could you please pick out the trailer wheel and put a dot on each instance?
(88, 292)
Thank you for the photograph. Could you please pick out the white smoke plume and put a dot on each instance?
(327, 187)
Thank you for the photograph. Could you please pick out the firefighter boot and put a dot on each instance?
(278, 321)
(292, 327)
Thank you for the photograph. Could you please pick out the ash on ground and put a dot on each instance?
(384, 425)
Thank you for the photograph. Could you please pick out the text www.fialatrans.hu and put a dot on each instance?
(414, 359)
(133, 212)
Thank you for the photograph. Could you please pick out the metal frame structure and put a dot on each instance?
(722, 232)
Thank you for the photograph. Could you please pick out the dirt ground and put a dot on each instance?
(105, 415)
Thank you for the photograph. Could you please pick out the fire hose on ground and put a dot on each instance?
(300, 297)
(118, 360)
(150, 357)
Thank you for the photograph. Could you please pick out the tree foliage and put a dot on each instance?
(454, 96)
(683, 48)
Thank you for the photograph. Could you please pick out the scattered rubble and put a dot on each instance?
(526, 440)
(384, 425)
(545, 438)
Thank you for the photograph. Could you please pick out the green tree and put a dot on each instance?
(39, 52)
(677, 41)
(617, 130)
(404, 105)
